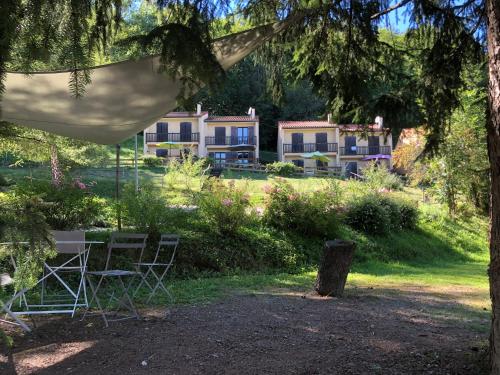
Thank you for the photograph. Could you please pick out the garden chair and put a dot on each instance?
(157, 269)
(70, 246)
(5, 307)
(119, 290)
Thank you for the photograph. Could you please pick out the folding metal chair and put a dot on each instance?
(73, 244)
(156, 269)
(5, 280)
(70, 245)
(119, 291)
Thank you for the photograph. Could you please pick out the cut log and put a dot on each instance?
(334, 267)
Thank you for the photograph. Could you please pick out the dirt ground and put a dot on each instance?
(369, 331)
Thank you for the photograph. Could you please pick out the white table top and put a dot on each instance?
(56, 242)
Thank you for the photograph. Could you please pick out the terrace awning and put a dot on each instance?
(123, 98)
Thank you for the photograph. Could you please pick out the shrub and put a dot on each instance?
(308, 214)
(378, 214)
(408, 215)
(69, 206)
(368, 215)
(379, 177)
(3, 181)
(145, 210)
(224, 207)
(152, 161)
(393, 209)
(281, 168)
(188, 172)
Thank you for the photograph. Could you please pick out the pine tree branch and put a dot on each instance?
(389, 10)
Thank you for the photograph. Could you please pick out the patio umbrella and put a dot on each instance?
(316, 155)
(376, 157)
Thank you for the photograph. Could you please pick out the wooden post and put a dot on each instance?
(136, 167)
(334, 267)
(117, 192)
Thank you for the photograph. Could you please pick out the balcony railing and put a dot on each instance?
(309, 147)
(172, 137)
(227, 141)
(365, 150)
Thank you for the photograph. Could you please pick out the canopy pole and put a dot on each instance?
(117, 192)
(136, 168)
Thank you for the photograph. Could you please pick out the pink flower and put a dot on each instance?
(292, 197)
(80, 185)
(267, 189)
(259, 211)
(227, 202)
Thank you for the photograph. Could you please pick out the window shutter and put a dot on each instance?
(185, 131)
(234, 135)
(251, 134)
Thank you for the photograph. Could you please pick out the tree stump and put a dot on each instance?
(334, 268)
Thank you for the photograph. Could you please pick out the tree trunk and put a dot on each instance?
(54, 166)
(493, 128)
(334, 267)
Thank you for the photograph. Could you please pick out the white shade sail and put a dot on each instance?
(123, 98)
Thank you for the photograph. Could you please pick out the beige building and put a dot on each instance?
(226, 139)
(348, 146)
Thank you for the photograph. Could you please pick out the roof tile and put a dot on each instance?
(184, 114)
(232, 119)
(307, 124)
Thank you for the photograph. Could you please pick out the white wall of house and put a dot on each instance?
(335, 134)
(199, 124)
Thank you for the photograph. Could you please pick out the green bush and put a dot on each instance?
(306, 213)
(379, 177)
(146, 210)
(369, 215)
(223, 206)
(408, 215)
(393, 209)
(252, 248)
(379, 214)
(280, 168)
(3, 181)
(69, 206)
(152, 161)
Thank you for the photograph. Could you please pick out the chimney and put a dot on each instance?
(329, 118)
(198, 109)
(379, 121)
(251, 112)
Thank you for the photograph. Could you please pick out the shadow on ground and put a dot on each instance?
(274, 332)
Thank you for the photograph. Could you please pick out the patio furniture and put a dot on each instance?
(77, 248)
(5, 280)
(157, 270)
(68, 244)
(111, 279)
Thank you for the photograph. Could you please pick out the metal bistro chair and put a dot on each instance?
(5, 280)
(156, 269)
(119, 242)
(68, 244)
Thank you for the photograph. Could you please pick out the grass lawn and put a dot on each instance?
(373, 274)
